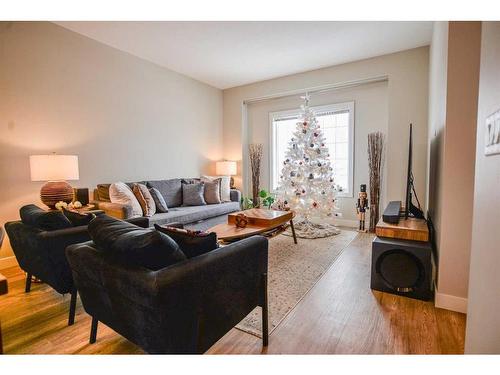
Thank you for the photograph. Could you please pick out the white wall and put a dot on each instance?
(454, 67)
(438, 69)
(370, 114)
(126, 118)
(483, 317)
(407, 92)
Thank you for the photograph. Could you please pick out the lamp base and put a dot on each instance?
(56, 191)
(232, 183)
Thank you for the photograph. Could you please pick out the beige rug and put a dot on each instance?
(292, 272)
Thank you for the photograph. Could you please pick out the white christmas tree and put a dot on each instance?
(306, 184)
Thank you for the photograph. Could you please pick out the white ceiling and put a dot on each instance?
(228, 54)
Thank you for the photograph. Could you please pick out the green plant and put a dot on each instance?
(246, 203)
(266, 198)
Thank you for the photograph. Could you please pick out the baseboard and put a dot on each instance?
(448, 302)
(8, 262)
(346, 223)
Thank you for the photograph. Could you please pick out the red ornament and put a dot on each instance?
(316, 134)
(315, 204)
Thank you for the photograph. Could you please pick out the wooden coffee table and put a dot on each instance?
(260, 221)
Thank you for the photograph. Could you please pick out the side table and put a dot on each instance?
(3, 290)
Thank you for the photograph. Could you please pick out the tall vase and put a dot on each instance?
(255, 154)
(375, 160)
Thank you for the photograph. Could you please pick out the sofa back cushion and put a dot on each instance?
(192, 243)
(131, 244)
(171, 190)
(121, 193)
(45, 220)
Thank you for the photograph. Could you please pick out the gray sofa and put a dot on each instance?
(193, 217)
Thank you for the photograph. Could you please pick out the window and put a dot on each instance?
(336, 122)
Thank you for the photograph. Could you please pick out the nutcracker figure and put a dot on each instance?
(361, 207)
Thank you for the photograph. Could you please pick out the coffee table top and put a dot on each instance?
(259, 221)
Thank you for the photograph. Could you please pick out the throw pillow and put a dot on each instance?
(131, 244)
(212, 191)
(145, 199)
(225, 186)
(192, 194)
(45, 220)
(192, 243)
(161, 205)
(120, 193)
(78, 219)
(103, 192)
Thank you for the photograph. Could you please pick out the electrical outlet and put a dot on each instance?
(492, 134)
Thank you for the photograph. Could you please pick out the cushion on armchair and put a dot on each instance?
(46, 220)
(192, 243)
(134, 245)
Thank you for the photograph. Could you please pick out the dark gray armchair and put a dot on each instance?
(41, 253)
(183, 308)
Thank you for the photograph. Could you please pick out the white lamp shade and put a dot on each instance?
(225, 168)
(54, 167)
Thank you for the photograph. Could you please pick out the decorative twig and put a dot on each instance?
(375, 157)
(255, 153)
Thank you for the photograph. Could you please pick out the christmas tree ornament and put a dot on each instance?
(307, 186)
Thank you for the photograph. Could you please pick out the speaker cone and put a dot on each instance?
(400, 270)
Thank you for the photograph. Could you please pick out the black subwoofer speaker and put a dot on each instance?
(403, 267)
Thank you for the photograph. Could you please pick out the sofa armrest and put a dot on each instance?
(235, 195)
(120, 211)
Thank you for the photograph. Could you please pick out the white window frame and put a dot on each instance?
(336, 107)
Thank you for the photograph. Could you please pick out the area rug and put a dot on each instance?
(292, 272)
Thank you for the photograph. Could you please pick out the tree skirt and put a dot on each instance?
(292, 272)
(309, 229)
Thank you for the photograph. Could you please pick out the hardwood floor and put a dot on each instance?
(340, 315)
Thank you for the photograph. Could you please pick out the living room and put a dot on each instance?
(230, 183)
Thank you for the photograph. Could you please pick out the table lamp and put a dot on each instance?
(226, 168)
(55, 169)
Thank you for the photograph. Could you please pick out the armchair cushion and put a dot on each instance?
(41, 219)
(130, 244)
(78, 219)
(192, 243)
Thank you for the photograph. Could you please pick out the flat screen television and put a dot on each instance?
(410, 209)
